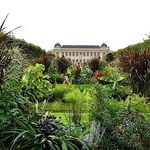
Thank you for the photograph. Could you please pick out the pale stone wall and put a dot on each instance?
(81, 55)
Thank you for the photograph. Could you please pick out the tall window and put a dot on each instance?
(83, 53)
(87, 53)
(76, 60)
(80, 53)
(94, 53)
(69, 53)
(80, 60)
(66, 53)
(73, 53)
(91, 53)
(62, 53)
(76, 53)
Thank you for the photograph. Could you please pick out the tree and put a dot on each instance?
(109, 57)
(94, 64)
(62, 64)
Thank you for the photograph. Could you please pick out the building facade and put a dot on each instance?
(80, 53)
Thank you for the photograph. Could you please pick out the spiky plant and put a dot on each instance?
(5, 54)
(50, 134)
(137, 64)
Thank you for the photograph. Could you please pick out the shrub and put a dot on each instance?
(76, 98)
(62, 64)
(49, 133)
(12, 103)
(59, 91)
(79, 74)
(35, 83)
(109, 57)
(56, 78)
(5, 53)
(43, 59)
(94, 64)
(48, 60)
(123, 125)
(5, 60)
(137, 64)
(85, 75)
(30, 50)
(115, 79)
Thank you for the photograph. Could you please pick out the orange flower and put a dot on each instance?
(99, 74)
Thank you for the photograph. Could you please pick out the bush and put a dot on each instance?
(79, 74)
(49, 133)
(5, 60)
(94, 64)
(5, 53)
(12, 103)
(115, 79)
(59, 91)
(62, 64)
(76, 98)
(30, 50)
(56, 78)
(136, 63)
(123, 125)
(35, 83)
(109, 57)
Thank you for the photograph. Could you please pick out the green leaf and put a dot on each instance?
(64, 146)
(17, 138)
(51, 145)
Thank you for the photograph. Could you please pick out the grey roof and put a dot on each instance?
(57, 45)
(103, 45)
(80, 46)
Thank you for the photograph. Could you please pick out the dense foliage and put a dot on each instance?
(106, 107)
(46, 60)
(62, 64)
(95, 64)
(35, 83)
(79, 74)
(121, 125)
(109, 57)
(137, 64)
(31, 50)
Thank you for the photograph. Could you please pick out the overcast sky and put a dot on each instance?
(118, 23)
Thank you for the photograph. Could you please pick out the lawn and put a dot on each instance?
(62, 110)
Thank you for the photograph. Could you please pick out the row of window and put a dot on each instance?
(80, 53)
(79, 60)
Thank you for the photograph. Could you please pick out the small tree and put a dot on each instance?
(109, 57)
(62, 64)
(94, 64)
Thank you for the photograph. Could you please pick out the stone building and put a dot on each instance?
(80, 53)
